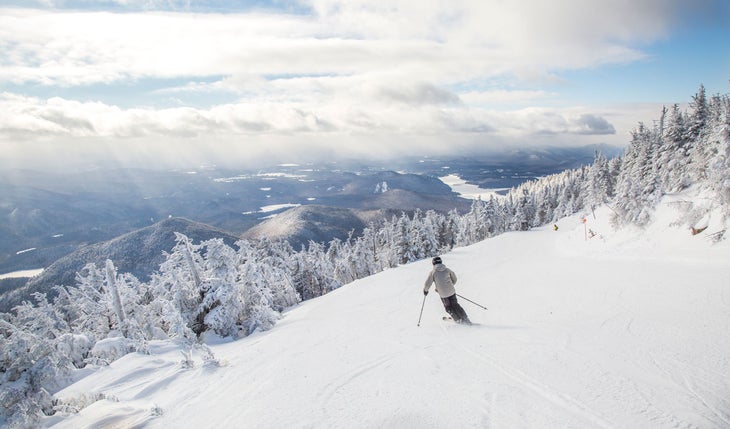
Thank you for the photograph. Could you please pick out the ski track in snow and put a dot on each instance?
(626, 332)
(331, 389)
(679, 373)
(541, 390)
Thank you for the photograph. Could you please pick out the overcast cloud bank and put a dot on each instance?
(386, 74)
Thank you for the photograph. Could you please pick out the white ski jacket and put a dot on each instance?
(444, 278)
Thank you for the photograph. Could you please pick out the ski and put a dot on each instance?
(458, 323)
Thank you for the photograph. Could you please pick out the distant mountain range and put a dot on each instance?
(60, 222)
(141, 251)
(44, 217)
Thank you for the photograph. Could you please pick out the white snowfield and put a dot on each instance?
(623, 330)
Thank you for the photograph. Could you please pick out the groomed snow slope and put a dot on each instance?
(624, 330)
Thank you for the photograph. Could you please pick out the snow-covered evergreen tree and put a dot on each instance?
(598, 186)
(179, 282)
(37, 351)
(222, 306)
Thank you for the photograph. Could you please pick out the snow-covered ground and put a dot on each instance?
(626, 329)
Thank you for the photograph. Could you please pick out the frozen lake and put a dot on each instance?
(23, 273)
(467, 190)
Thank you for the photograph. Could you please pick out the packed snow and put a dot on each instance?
(615, 330)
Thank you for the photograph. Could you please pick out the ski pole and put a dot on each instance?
(419, 316)
(478, 305)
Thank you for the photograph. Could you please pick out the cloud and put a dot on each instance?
(420, 94)
(62, 118)
(389, 73)
(502, 96)
(438, 42)
(591, 124)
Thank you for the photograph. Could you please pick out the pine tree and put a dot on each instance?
(598, 182)
(221, 307)
(179, 282)
(35, 353)
(91, 303)
(699, 116)
(674, 156)
(401, 240)
(258, 313)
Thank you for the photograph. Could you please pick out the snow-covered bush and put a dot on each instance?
(77, 347)
(110, 349)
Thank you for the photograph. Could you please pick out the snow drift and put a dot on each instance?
(618, 329)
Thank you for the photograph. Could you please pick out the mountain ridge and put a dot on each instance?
(317, 223)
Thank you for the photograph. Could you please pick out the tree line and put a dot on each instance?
(210, 287)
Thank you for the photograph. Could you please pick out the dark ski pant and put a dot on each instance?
(454, 309)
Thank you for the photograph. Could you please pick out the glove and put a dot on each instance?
(425, 292)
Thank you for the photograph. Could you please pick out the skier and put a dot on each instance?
(445, 280)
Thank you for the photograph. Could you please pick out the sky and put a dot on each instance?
(219, 81)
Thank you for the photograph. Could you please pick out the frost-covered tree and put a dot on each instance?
(524, 212)
(90, 303)
(401, 239)
(179, 281)
(388, 249)
(37, 351)
(221, 306)
(365, 253)
(448, 231)
(312, 272)
(274, 259)
(473, 225)
(427, 234)
(718, 150)
(699, 115)
(115, 297)
(635, 187)
(598, 185)
(674, 154)
(258, 312)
